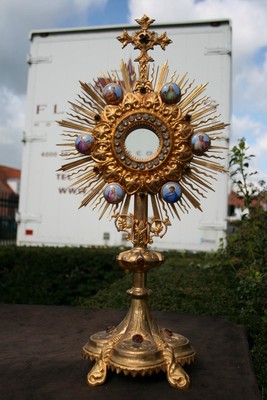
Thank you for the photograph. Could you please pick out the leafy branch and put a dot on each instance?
(239, 163)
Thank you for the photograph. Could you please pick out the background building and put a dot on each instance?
(9, 197)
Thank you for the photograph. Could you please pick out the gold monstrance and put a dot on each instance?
(177, 126)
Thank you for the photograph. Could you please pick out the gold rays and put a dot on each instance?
(175, 125)
(89, 116)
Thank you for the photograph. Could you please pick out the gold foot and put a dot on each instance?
(168, 355)
(138, 345)
(176, 376)
(98, 373)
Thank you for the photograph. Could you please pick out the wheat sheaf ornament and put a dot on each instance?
(142, 140)
(114, 112)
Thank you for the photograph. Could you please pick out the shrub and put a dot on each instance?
(48, 275)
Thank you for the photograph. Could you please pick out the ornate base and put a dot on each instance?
(139, 346)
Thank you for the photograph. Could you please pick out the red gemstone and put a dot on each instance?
(140, 260)
(137, 338)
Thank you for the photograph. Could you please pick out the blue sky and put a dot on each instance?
(249, 20)
(113, 12)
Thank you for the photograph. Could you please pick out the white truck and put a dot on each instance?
(49, 213)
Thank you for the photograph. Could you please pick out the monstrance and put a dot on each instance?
(176, 128)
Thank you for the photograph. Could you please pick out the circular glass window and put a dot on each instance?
(142, 144)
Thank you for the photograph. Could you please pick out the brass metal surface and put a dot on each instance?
(138, 345)
(142, 107)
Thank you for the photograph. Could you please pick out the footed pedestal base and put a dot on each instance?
(138, 346)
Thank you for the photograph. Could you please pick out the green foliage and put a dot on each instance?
(202, 284)
(43, 275)
(230, 283)
(246, 245)
(239, 166)
(208, 284)
(246, 254)
(181, 288)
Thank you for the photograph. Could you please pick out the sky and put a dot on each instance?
(249, 79)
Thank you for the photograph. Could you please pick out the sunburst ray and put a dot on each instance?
(97, 127)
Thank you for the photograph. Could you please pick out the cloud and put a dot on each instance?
(242, 127)
(248, 18)
(249, 38)
(19, 17)
(11, 126)
(250, 86)
(256, 143)
(84, 5)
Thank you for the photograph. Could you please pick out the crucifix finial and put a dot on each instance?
(144, 40)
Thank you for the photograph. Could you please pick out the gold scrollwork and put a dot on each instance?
(141, 232)
(176, 375)
(141, 106)
(98, 373)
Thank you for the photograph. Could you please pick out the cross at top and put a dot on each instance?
(144, 40)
